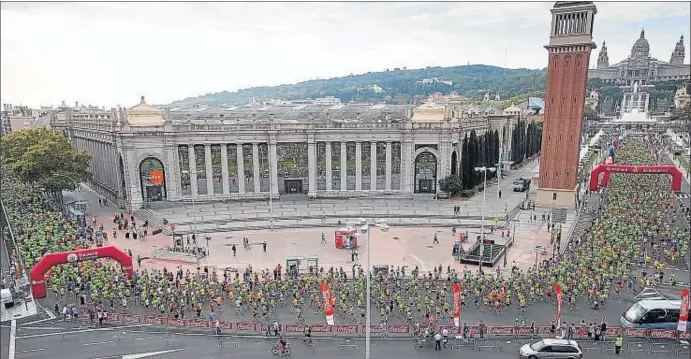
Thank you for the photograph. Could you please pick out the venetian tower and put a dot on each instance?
(570, 44)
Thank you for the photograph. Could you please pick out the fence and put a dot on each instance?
(394, 330)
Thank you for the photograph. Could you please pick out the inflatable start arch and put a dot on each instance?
(38, 284)
(608, 169)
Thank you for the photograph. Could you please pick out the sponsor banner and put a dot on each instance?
(172, 322)
(398, 329)
(526, 331)
(502, 330)
(263, 328)
(546, 330)
(316, 328)
(225, 325)
(456, 304)
(685, 335)
(205, 324)
(152, 320)
(346, 329)
(328, 303)
(112, 318)
(684, 310)
(472, 331)
(557, 288)
(131, 319)
(634, 332)
(374, 329)
(662, 334)
(247, 326)
(612, 332)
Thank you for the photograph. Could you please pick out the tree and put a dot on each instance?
(590, 114)
(452, 185)
(46, 158)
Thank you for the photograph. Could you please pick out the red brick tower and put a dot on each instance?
(570, 44)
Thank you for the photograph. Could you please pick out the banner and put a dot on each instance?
(456, 305)
(684, 311)
(557, 288)
(328, 305)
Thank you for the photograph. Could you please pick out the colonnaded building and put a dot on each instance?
(144, 154)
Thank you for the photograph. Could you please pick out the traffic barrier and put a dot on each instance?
(397, 330)
(347, 342)
(683, 347)
(661, 348)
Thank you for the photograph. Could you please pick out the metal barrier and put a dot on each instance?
(460, 342)
(492, 344)
(347, 342)
(683, 347)
(662, 348)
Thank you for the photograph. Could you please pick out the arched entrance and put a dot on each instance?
(607, 169)
(153, 180)
(38, 284)
(454, 163)
(426, 173)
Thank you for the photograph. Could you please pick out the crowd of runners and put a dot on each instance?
(636, 222)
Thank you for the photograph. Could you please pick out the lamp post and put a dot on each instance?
(366, 226)
(484, 170)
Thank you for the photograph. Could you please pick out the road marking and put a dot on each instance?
(13, 339)
(32, 351)
(150, 354)
(97, 343)
(422, 264)
(42, 328)
(78, 331)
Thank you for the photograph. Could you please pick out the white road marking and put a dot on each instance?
(422, 264)
(79, 331)
(97, 343)
(32, 351)
(41, 328)
(150, 354)
(13, 339)
(50, 314)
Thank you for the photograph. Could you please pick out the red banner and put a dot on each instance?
(634, 332)
(557, 288)
(684, 310)
(346, 329)
(502, 330)
(245, 326)
(205, 324)
(613, 332)
(226, 325)
(685, 335)
(398, 329)
(662, 334)
(456, 305)
(152, 320)
(172, 322)
(112, 318)
(131, 319)
(525, 331)
(328, 303)
(316, 328)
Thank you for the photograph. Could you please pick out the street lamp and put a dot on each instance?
(365, 226)
(484, 170)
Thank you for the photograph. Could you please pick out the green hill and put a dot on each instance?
(398, 85)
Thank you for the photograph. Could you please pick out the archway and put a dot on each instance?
(38, 284)
(426, 173)
(608, 169)
(454, 163)
(152, 176)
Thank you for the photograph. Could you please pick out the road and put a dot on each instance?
(107, 344)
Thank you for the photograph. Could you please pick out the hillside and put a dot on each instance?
(398, 85)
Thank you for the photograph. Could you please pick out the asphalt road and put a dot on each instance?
(106, 344)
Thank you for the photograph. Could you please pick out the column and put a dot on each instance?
(224, 169)
(312, 168)
(344, 166)
(209, 170)
(193, 170)
(241, 170)
(273, 162)
(172, 173)
(647, 102)
(373, 166)
(388, 166)
(255, 167)
(408, 167)
(329, 179)
(358, 166)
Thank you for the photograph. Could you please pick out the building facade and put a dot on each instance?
(640, 66)
(145, 154)
(569, 53)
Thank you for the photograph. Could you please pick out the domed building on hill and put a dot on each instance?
(640, 66)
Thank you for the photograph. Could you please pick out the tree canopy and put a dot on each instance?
(46, 158)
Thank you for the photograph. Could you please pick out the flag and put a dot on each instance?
(456, 305)
(328, 303)
(684, 311)
(557, 288)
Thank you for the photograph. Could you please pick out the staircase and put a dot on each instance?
(155, 221)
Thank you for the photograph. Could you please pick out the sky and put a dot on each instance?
(110, 54)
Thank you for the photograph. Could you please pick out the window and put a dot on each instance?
(554, 196)
(672, 316)
(654, 316)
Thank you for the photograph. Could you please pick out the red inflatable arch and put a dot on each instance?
(38, 284)
(608, 169)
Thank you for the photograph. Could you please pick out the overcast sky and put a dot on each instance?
(112, 53)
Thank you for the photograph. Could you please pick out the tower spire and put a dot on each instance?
(679, 53)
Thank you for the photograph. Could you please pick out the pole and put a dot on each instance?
(271, 186)
(194, 217)
(501, 154)
(368, 319)
(482, 222)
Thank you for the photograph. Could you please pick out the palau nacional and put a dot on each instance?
(323, 148)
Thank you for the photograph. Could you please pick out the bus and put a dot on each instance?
(653, 314)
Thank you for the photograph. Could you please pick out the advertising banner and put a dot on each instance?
(684, 311)
(328, 305)
(456, 305)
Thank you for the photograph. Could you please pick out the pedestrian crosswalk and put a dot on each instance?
(683, 195)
